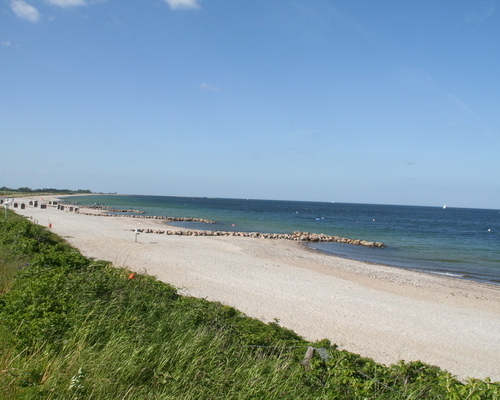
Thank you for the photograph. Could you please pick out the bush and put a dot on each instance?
(73, 328)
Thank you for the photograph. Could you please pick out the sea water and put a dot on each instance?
(458, 242)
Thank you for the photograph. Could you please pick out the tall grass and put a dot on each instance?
(74, 328)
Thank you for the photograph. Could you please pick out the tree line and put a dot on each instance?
(44, 190)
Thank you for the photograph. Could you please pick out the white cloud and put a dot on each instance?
(183, 4)
(24, 10)
(301, 152)
(8, 43)
(67, 3)
(206, 86)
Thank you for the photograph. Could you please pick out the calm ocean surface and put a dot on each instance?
(458, 242)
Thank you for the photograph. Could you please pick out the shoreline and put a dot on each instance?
(382, 312)
(444, 275)
(452, 258)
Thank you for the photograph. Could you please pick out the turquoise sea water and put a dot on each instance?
(459, 242)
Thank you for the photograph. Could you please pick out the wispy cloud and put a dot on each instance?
(67, 3)
(24, 10)
(8, 43)
(460, 104)
(301, 152)
(206, 86)
(415, 76)
(481, 14)
(183, 4)
(352, 23)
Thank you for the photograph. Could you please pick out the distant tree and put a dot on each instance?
(44, 190)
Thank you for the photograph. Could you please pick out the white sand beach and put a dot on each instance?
(385, 313)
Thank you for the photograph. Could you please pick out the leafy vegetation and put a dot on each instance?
(75, 328)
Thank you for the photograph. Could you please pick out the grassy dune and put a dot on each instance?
(74, 328)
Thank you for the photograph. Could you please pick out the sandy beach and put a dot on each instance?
(385, 313)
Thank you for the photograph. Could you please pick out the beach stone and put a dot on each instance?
(297, 236)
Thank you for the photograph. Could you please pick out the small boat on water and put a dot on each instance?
(445, 207)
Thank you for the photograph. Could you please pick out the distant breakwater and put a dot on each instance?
(112, 212)
(168, 219)
(111, 209)
(296, 236)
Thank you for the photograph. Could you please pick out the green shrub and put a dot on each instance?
(73, 328)
(24, 237)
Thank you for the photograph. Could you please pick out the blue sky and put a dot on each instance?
(385, 101)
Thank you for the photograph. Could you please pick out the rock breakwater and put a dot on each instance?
(109, 212)
(113, 210)
(297, 236)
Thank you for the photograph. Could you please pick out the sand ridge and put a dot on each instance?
(377, 311)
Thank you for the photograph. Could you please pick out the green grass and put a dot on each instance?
(74, 328)
(10, 259)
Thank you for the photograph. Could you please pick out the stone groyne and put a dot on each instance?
(167, 219)
(297, 236)
(111, 209)
(112, 212)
